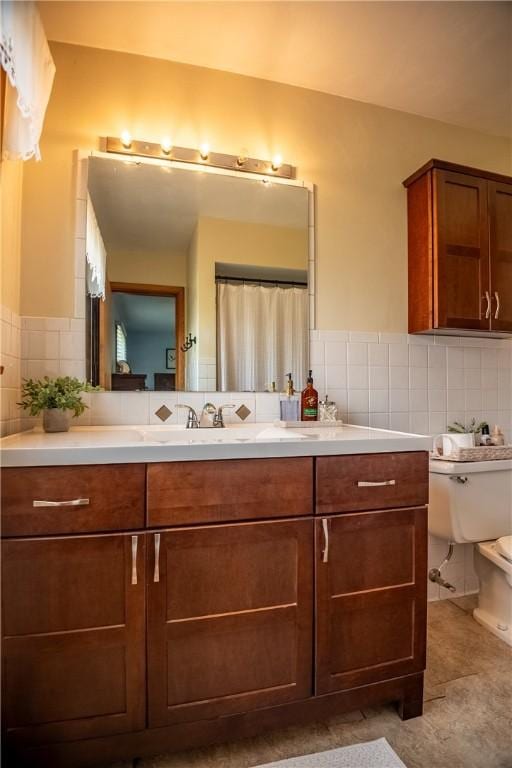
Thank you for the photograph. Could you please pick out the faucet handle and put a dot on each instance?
(219, 418)
(192, 420)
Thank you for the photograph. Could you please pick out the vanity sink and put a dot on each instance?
(235, 433)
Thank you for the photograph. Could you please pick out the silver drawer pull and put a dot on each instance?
(135, 541)
(156, 572)
(71, 503)
(325, 551)
(369, 484)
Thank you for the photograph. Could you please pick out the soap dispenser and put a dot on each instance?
(309, 401)
(289, 404)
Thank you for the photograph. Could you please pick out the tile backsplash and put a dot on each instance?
(414, 383)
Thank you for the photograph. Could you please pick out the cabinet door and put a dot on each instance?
(229, 619)
(461, 252)
(371, 597)
(500, 221)
(73, 637)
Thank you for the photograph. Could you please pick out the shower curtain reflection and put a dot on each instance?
(262, 335)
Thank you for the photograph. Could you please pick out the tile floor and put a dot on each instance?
(467, 721)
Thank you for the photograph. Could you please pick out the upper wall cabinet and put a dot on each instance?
(460, 250)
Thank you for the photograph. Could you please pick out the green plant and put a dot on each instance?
(62, 393)
(471, 427)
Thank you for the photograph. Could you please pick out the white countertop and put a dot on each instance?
(145, 443)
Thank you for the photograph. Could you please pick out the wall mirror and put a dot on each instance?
(195, 280)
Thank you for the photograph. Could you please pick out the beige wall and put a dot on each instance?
(154, 268)
(357, 155)
(11, 185)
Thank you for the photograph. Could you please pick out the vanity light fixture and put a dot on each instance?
(166, 146)
(126, 139)
(277, 163)
(125, 145)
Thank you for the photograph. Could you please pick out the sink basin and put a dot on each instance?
(239, 433)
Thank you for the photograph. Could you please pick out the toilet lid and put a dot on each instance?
(504, 547)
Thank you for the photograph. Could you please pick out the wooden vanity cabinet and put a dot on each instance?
(73, 629)
(370, 597)
(460, 250)
(230, 619)
(199, 624)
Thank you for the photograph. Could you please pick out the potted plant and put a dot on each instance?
(58, 400)
(473, 427)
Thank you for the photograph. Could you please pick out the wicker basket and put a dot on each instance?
(480, 453)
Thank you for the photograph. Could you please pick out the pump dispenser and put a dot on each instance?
(289, 404)
(309, 401)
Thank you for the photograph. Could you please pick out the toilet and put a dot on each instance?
(471, 502)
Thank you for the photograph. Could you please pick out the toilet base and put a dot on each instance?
(489, 622)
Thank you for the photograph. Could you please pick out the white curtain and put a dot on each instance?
(262, 334)
(95, 254)
(26, 58)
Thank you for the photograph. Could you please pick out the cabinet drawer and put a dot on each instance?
(214, 491)
(50, 500)
(371, 481)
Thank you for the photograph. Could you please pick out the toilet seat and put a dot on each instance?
(504, 547)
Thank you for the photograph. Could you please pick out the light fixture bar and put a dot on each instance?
(199, 157)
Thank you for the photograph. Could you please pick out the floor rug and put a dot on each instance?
(370, 754)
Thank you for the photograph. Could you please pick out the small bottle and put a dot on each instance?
(309, 401)
(497, 437)
(289, 404)
(485, 438)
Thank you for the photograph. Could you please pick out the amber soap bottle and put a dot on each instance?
(309, 401)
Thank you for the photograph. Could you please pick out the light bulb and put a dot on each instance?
(277, 162)
(126, 139)
(204, 151)
(166, 145)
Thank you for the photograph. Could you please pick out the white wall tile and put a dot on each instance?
(418, 356)
(378, 354)
(399, 377)
(399, 355)
(336, 377)
(436, 357)
(335, 353)
(363, 336)
(378, 377)
(358, 401)
(358, 377)
(379, 401)
(357, 353)
(398, 400)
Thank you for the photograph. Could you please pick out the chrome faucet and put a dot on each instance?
(192, 420)
(208, 416)
(218, 420)
(211, 417)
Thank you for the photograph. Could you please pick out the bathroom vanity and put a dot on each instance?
(159, 604)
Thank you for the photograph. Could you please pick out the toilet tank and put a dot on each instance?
(470, 501)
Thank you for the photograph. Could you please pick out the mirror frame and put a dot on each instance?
(81, 163)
